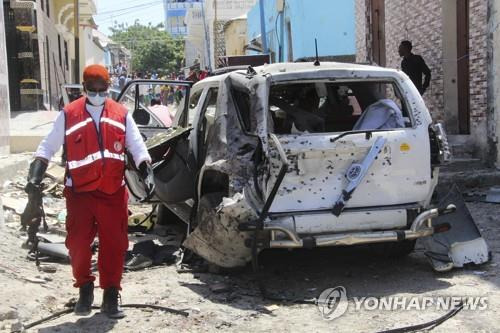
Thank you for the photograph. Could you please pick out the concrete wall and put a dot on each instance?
(235, 35)
(4, 90)
(494, 79)
(362, 31)
(331, 22)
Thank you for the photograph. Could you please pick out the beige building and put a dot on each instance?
(235, 36)
(91, 51)
(40, 37)
(217, 13)
(453, 39)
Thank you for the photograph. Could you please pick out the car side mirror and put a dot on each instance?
(141, 117)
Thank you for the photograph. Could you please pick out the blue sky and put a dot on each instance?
(127, 11)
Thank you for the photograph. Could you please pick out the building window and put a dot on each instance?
(47, 8)
(66, 60)
(41, 5)
(60, 52)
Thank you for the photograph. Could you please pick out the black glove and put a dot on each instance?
(147, 176)
(33, 212)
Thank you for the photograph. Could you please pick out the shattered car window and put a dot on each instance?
(193, 103)
(242, 100)
(152, 104)
(320, 107)
(209, 112)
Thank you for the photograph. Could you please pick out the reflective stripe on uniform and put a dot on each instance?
(113, 123)
(94, 157)
(87, 160)
(108, 154)
(78, 125)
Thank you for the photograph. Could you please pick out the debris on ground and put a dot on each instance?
(220, 287)
(147, 253)
(56, 173)
(234, 301)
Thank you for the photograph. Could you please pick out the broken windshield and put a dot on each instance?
(319, 107)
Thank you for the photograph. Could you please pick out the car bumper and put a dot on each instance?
(283, 236)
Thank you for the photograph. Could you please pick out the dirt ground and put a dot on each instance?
(233, 302)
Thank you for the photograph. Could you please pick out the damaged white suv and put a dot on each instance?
(296, 155)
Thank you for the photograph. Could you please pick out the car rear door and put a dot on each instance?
(385, 166)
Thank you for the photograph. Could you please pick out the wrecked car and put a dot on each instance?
(296, 155)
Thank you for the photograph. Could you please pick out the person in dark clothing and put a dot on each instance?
(414, 66)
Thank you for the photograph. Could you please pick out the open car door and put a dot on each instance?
(153, 103)
(167, 145)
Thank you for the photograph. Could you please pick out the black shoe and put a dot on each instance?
(83, 306)
(110, 306)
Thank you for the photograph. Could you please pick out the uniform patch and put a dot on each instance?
(118, 146)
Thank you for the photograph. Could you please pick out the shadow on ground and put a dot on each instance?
(303, 274)
(363, 270)
(98, 323)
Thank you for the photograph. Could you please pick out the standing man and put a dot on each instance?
(414, 66)
(96, 131)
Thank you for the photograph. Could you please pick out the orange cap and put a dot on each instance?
(95, 72)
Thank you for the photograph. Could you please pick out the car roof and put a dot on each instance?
(278, 68)
(290, 68)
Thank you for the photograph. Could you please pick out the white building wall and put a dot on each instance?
(59, 74)
(90, 52)
(194, 48)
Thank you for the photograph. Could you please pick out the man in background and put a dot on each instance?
(414, 66)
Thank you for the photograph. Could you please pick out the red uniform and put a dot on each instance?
(97, 200)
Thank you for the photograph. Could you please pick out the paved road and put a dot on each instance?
(238, 306)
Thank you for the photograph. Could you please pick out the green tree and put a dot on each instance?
(152, 47)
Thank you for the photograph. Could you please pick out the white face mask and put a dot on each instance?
(96, 100)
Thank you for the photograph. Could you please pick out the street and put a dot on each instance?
(232, 301)
(249, 166)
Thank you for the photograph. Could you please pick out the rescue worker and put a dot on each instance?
(96, 130)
